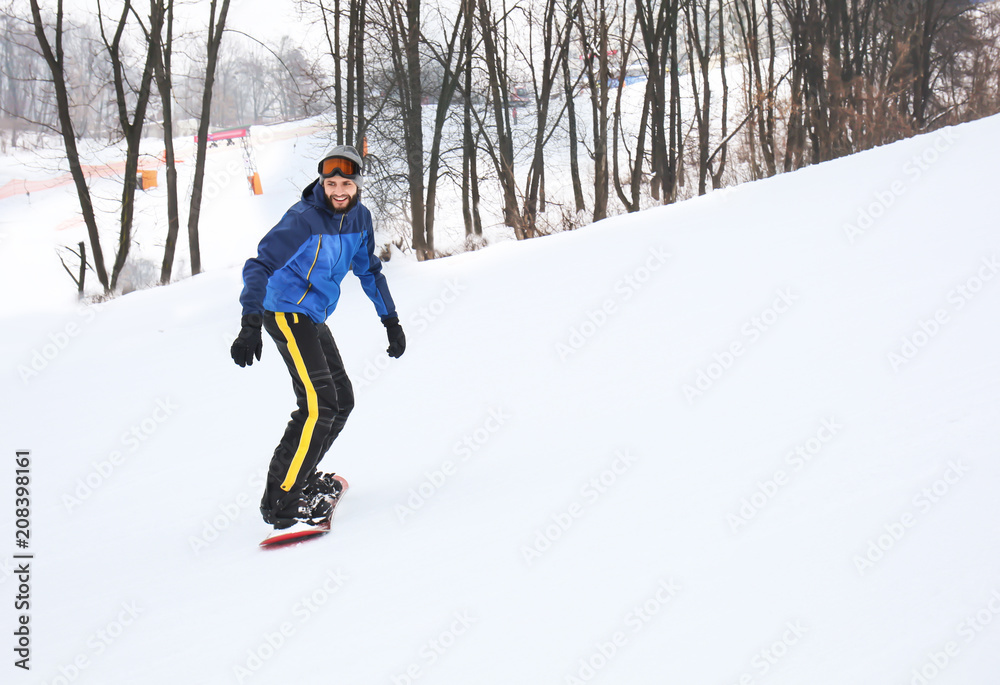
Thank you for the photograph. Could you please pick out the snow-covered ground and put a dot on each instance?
(750, 438)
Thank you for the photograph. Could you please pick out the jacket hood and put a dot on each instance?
(313, 194)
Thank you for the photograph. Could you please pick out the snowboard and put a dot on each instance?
(301, 532)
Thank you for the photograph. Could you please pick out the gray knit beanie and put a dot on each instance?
(346, 152)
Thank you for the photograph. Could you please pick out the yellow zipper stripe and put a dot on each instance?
(312, 404)
(309, 275)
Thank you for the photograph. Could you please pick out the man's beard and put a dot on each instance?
(353, 201)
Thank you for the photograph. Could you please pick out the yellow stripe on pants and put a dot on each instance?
(311, 402)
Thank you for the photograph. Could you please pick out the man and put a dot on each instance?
(290, 288)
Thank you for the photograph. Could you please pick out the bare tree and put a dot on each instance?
(819, 79)
(500, 146)
(698, 24)
(404, 23)
(164, 84)
(453, 59)
(658, 23)
(635, 162)
(760, 87)
(348, 99)
(593, 23)
(470, 174)
(216, 26)
(569, 85)
(555, 52)
(357, 124)
(131, 123)
(55, 58)
(25, 99)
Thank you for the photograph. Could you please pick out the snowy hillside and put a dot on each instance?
(751, 438)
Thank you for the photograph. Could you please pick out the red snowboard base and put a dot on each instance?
(301, 532)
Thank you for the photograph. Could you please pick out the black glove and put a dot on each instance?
(397, 341)
(247, 343)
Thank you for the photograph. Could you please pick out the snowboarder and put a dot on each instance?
(290, 288)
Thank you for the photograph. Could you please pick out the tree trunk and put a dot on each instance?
(631, 201)
(699, 47)
(554, 51)
(216, 26)
(131, 126)
(338, 87)
(598, 85)
(423, 240)
(358, 31)
(164, 82)
(470, 174)
(723, 147)
(574, 138)
(503, 157)
(55, 60)
(351, 86)
(675, 152)
(453, 66)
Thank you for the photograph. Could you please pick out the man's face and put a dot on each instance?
(339, 192)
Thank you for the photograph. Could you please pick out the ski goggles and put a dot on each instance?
(339, 165)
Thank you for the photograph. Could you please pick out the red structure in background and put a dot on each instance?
(227, 135)
(243, 134)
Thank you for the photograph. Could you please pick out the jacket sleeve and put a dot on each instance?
(275, 249)
(368, 268)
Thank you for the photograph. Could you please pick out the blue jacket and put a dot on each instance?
(302, 260)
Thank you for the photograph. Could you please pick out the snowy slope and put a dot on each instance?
(750, 438)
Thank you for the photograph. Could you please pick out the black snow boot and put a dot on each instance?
(319, 494)
(298, 512)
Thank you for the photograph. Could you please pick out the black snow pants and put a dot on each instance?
(325, 398)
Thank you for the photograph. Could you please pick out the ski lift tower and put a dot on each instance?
(249, 161)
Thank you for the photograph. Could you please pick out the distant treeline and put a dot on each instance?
(492, 98)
